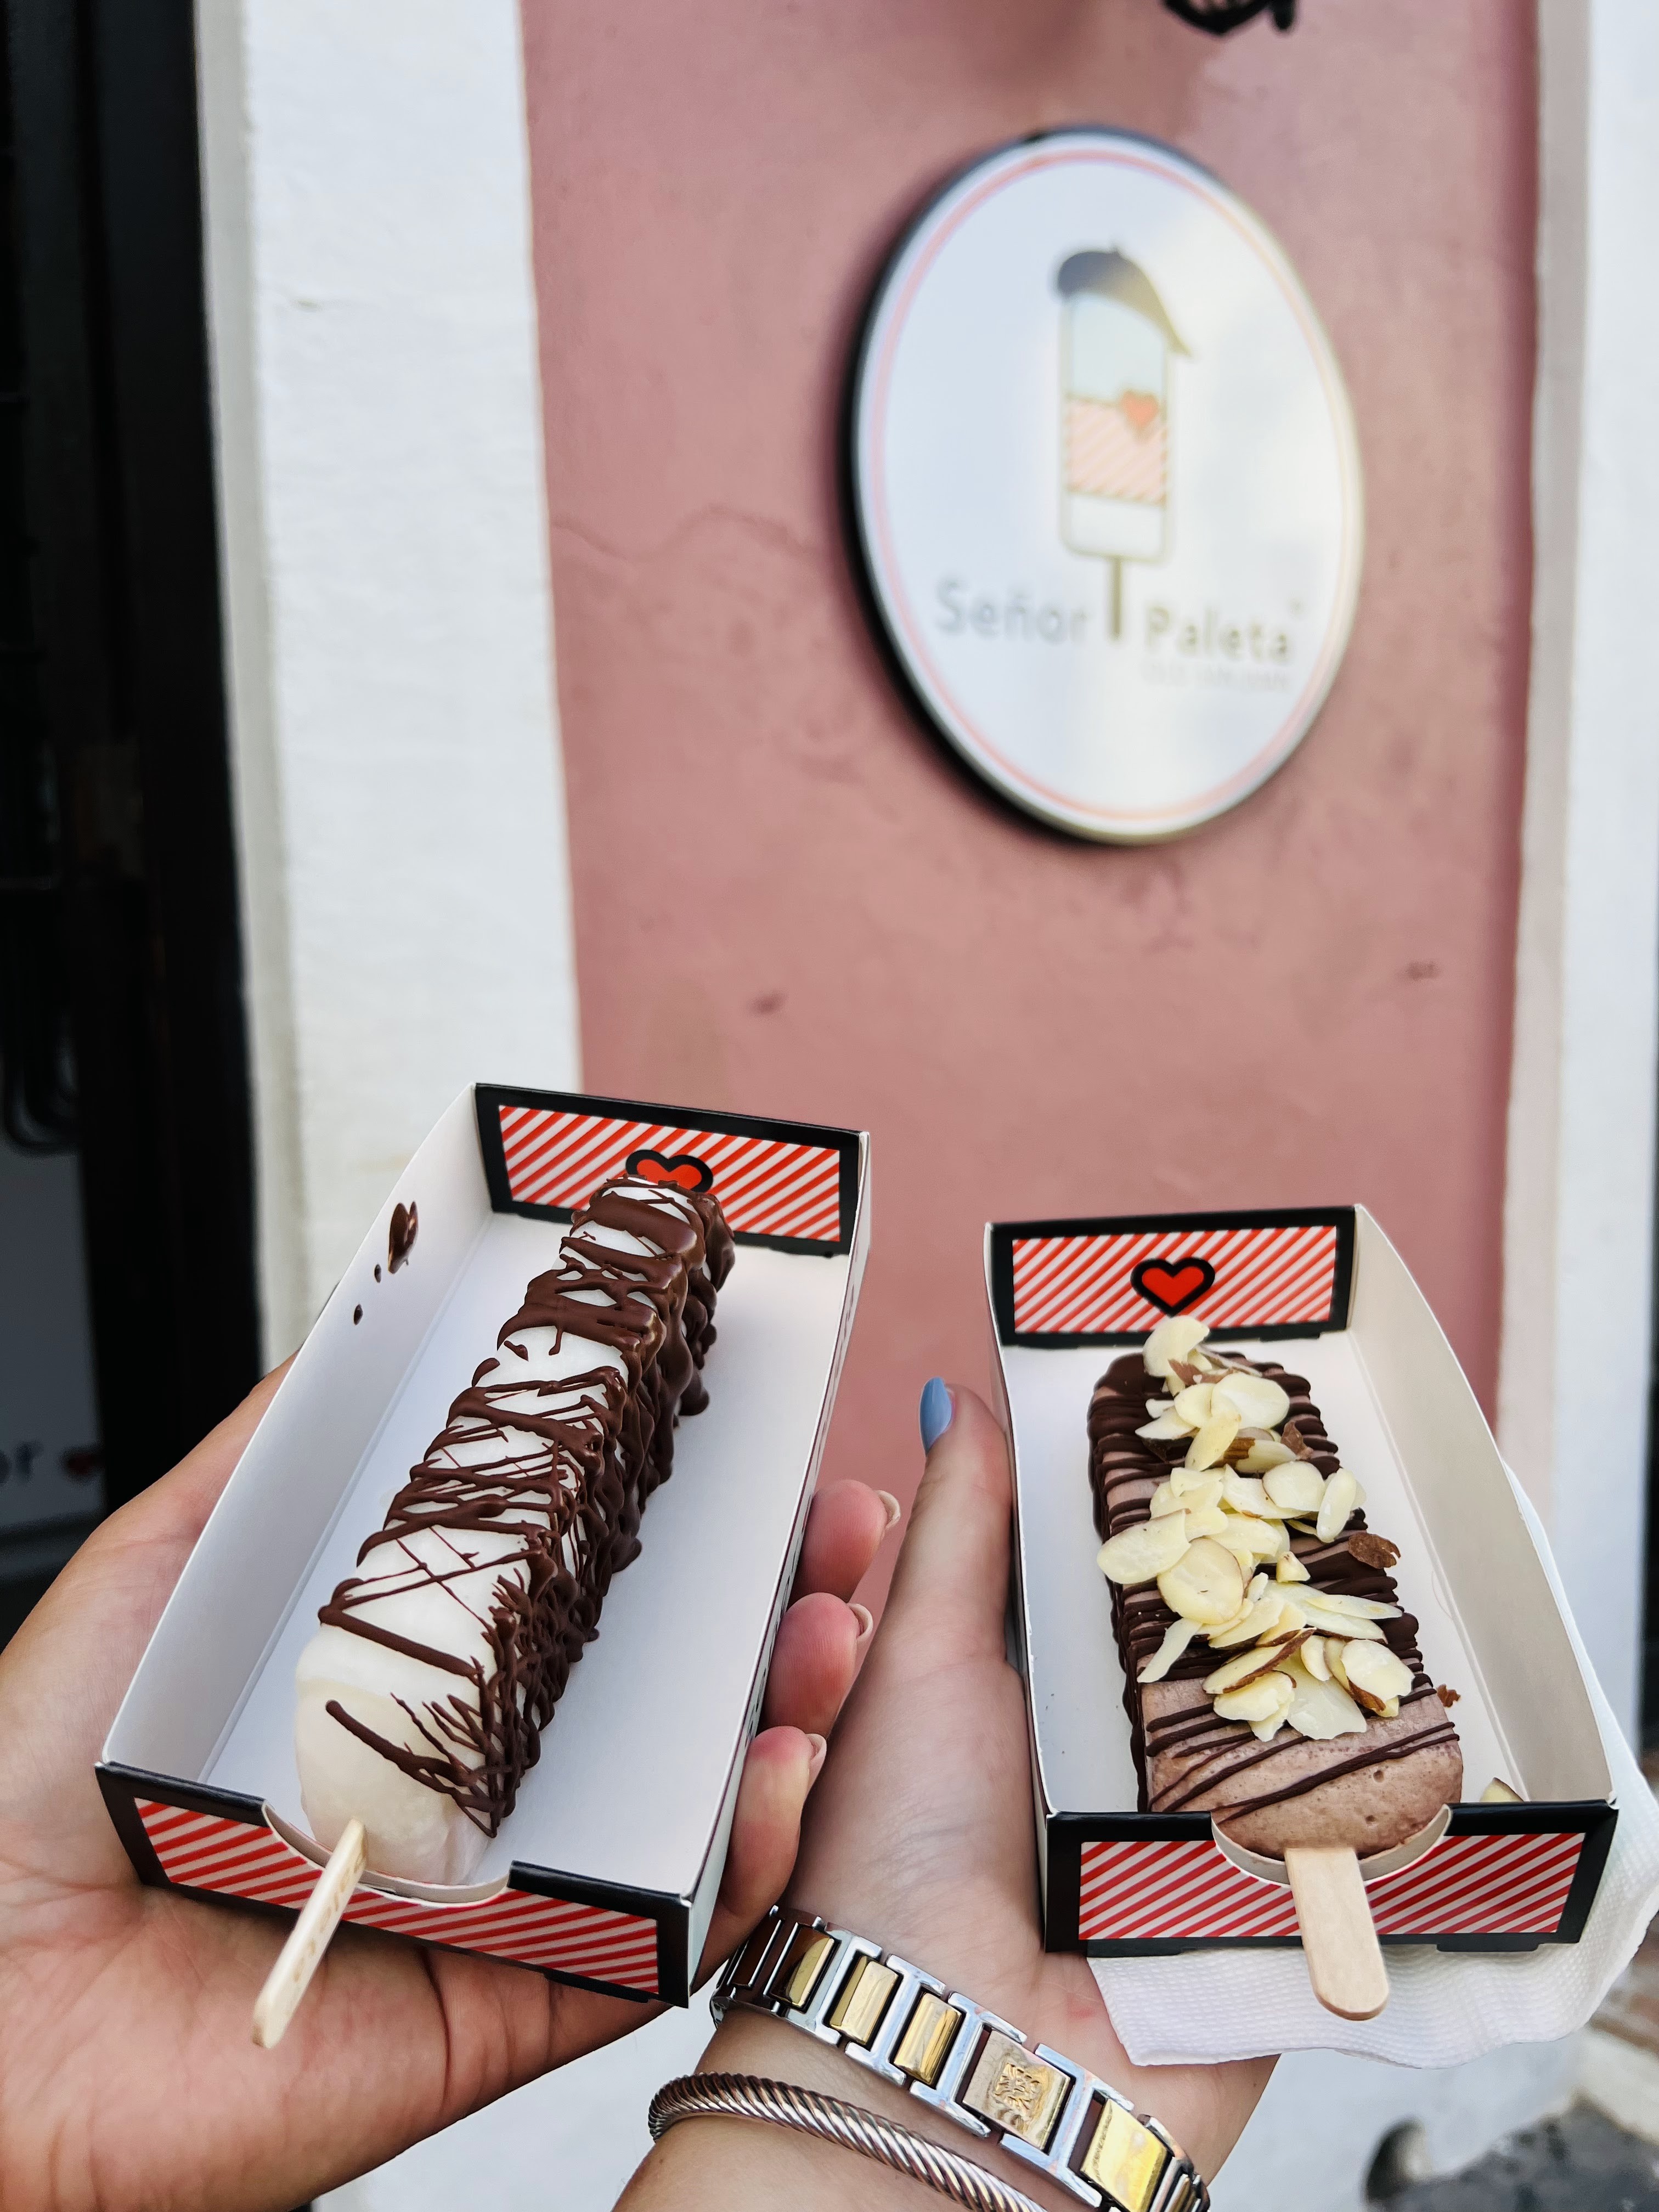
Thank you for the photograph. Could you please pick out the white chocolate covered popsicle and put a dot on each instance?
(422, 1695)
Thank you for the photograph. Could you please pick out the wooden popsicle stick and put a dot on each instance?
(299, 1957)
(1345, 1961)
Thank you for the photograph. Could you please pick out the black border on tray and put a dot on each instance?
(489, 1097)
(122, 1786)
(1067, 1832)
(1003, 1234)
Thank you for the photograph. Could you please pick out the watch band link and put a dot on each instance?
(964, 2062)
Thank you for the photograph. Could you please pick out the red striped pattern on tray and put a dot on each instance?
(766, 1187)
(1133, 1892)
(1264, 1278)
(200, 1850)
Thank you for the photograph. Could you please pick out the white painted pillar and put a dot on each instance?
(1579, 1231)
(405, 883)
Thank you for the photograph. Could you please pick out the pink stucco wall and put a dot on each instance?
(789, 898)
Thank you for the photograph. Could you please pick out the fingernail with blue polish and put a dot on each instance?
(937, 1412)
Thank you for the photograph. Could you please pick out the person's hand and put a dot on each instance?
(920, 1834)
(128, 2077)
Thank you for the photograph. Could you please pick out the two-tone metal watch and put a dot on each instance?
(965, 2063)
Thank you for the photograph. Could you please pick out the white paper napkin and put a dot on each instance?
(1444, 2007)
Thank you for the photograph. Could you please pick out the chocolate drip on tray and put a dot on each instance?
(400, 1240)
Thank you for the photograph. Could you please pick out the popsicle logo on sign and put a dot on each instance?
(1106, 483)
(1116, 373)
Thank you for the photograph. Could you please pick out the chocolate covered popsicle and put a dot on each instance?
(1272, 1678)
(424, 1691)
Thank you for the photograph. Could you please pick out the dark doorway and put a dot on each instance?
(122, 1060)
(1650, 1680)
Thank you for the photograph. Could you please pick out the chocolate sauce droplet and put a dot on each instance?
(377, 1270)
(356, 1315)
(405, 1227)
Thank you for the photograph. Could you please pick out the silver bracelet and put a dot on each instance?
(963, 2060)
(746, 2097)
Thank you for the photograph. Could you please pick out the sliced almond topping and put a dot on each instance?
(1262, 1618)
(1143, 1553)
(1253, 1538)
(1204, 1520)
(1362, 1609)
(1287, 1568)
(1341, 1492)
(1298, 1486)
(1259, 1587)
(1176, 1637)
(1207, 1584)
(1243, 1492)
(1166, 1428)
(1211, 1441)
(1312, 1655)
(1233, 1674)
(1373, 1551)
(1321, 1710)
(1173, 1339)
(1295, 1638)
(1345, 1625)
(1222, 1630)
(1292, 1436)
(1192, 1404)
(1264, 1452)
(1196, 1486)
(1499, 1793)
(1228, 1534)
(1261, 1701)
(1165, 1501)
(1256, 1399)
(1377, 1678)
(1448, 1698)
(1265, 1731)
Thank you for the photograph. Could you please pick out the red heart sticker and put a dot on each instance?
(683, 1169)
(1172, 1285)
(1140, 409)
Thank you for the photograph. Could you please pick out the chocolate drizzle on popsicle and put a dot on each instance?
(1125, 1468)
(564, 1466)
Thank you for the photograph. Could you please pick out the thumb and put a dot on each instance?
(951, 1586)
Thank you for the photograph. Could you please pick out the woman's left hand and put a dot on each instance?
(128, 2078)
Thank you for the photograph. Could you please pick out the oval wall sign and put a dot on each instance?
(1107, 485)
